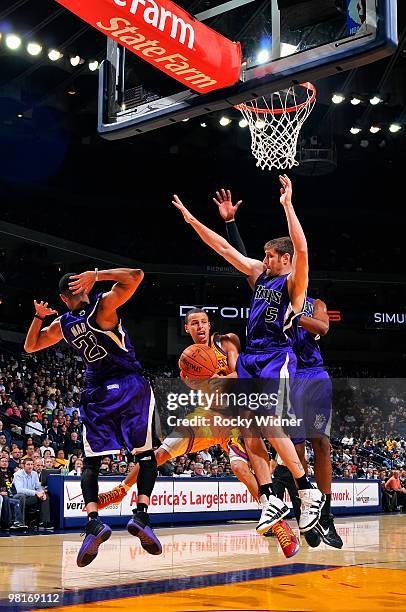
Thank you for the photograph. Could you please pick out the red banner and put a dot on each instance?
(166, 36)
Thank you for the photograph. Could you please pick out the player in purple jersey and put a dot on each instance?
(311, 380)
(280, 284)
(117, 402)
(312, 401)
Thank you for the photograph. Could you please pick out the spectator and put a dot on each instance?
(34, 427)
(394, 485)
(122, 468)
(77, 470)
(16, 455)
(198, 470)
(11, 506)
(48, 462)
(72, 444)
(46, 446)
(26, 481)
(5, 433)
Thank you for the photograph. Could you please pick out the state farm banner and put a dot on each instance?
(166, 36)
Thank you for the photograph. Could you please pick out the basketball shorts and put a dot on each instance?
(236, 450)
(311, 395)
(266, 374)
(117, 413)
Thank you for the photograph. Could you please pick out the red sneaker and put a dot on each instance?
(115, 496)
(287, 539)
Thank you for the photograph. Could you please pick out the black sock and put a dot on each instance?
(93, 515)
(303, 483)
(266, 489)
(141, 507)
(325, 511)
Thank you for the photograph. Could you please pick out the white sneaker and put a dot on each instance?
(273, 510)
(312, 501)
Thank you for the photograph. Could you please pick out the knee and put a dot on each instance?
(322, 446)
(239, 468)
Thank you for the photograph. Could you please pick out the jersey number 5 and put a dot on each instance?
(87, 344)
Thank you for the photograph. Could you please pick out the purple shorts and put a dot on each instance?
(117, 413)
(268, 373)
(311, 395)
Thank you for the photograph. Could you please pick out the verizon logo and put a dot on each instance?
(160, 18)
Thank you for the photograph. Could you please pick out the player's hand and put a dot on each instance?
(286, 190)
(43, 310)
(82, 283)
(180, 206)
(225, 204)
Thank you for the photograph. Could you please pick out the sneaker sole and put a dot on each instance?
(86, 556)
(264, 527)
(146, 537)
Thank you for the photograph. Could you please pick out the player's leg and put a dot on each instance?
(136, 415)
(116, 495)
(96, 531)
(277, 374)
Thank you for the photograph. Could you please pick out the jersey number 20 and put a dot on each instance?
(88, 345)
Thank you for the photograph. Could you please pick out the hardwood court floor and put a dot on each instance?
(215, 568)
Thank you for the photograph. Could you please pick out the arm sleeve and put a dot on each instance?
(19, 485)
(234, 237)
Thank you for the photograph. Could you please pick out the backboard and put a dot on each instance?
(284, 42)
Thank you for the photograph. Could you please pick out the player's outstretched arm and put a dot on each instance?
(299, 278)
(227, 211)
(37, 338)
(319, 323)
(246, 265)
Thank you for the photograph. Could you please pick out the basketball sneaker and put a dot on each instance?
(313, 537)
(327, 532)
(115, 496)
(287, 539)
(95, 534)
(273, 510)
(312, 501)
(139, 526)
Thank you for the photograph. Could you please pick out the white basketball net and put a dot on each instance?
(275, 123)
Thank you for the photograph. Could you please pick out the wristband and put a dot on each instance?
(36, 316)
(96, 270)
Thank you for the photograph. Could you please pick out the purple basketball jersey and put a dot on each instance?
(271, 315)
(107, 354)
(305, 344)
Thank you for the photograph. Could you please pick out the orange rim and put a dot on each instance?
(282, 111)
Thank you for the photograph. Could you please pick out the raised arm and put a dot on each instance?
(319, 323)
(246, 265)
(126, 282)
(227, 211)
(37, 338)
(299, 278)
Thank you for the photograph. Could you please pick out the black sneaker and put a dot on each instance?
(18, 525)
(313, 537)
(328, 533)
(96, 533)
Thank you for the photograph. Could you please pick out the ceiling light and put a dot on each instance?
(185, 119)
(75, 60)
(355, 101)
(355, 130)
(93, 65)
(375, 100)
(338, 98)
(13, 41)
(374, 129)
(394, 128)
(72, 91)
(55, 55)
(19, 116)
(34, 48)
(259, 123)
(243, 123)
(263, 56)
(224, 121)
(203, 125)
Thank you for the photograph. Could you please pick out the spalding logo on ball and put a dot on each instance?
(198, 361)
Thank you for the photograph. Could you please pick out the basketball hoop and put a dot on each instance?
(275, 122)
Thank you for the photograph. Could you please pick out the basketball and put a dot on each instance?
(198, 361)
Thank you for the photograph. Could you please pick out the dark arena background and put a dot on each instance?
(72, 201)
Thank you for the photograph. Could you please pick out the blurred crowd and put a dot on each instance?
(40, 420)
